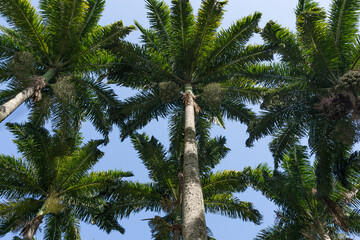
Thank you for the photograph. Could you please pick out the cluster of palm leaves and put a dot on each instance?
(188, 72)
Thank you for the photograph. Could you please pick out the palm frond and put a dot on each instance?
(312, 30)
(285, 138)
(285, 44)
(182, 22)
(208, 20)
(52, 228)
(74, 167)
(229, 206)
(15, 214)
(273, 119)
(92, 15)
(225, 181)
(63, 19)
(98, 38)
(210, 153)
(96, 182)
(143, 108)
(23, 16)
(153, 155)
(159, 18)
(17, 179)
(343, 22)
(232, 39)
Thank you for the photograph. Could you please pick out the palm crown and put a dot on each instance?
(63, 44)
(302, 214)
(179, 49)
(311, 92)
(51, 182)
(314, 86)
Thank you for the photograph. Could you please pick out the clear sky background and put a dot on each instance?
(121, 155)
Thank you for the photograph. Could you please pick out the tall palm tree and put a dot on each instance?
(51, 182)
(165, 193)
(315, 84)
(52, 53)
(302, 214)
(183, 58)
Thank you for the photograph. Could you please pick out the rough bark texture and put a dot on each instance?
(33, 91)
(194, 227)
(29, 230)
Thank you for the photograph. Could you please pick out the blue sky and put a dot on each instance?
(120, 155)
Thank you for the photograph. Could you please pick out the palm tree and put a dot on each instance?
(48, 56)
(302, 214)
(184, 58)
(314, 86)
(165, 193)
(51, 183)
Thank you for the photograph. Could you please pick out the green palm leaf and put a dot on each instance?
(229, 206)
(23, 16)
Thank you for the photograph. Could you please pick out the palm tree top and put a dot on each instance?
(57, 52)
(52, 180)
(62, 34)
(302, 213)
(185, 48)
(315, 85)
(183, 52)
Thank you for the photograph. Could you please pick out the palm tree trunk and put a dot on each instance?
(177, 232)
(29, 231)
(40, 82)
(326, 236)
(194, 227)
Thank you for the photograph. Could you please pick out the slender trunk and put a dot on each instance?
(29, 231)
(33, 91)
(177, 232)
(193, 227)
(326, 236)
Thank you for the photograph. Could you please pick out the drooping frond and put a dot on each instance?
(286, 138)
(17, 179)
(142, 109)
(133, 197)
(273, 119)
(92, 15)
(211, 152)
(229, 206)
(15, 214)
(96, 182)
(52, 229)
(225, 181)
(10, 43)
(153, 155)
(286, 45)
